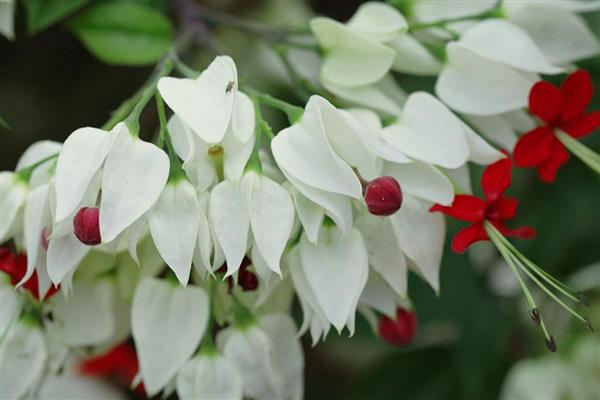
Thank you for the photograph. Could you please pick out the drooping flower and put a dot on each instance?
(494, 208)
(401, 330)
(562, 111)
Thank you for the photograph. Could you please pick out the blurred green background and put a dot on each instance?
(469, 336)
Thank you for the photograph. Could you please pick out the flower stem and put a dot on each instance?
(25, 173)
(164, 136)
(581, 151)
(294, 113)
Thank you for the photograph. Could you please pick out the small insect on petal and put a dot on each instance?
(86, 225)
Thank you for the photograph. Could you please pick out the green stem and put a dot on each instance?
(294, 113)
(495, 12)
(25, 173)
(164, 137)
(581, 151)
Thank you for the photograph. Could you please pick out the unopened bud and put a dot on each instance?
(247, 280)
(46, 232)
(401, 331)
(383, 196)
(86, 225)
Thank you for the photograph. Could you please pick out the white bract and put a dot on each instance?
(209, 376)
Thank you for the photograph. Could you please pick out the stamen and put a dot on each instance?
(551, 344)
(581, 151)
(535, 315)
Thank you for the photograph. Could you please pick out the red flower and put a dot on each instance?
(558, 108)
(401, 331)
(15, 265)
(495, 208)
(120, 363)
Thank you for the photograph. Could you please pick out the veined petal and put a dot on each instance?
(379, 21)
(352, 59)
(228, 214)
(334, 268)
(502, 41)
(174, 224)
(209, 377)
(422, 180)
(271, 217)
(22, 356)
(466, 82)
(13, 194)
(562, 36)
(135, 174)
(429, 132)
(168, 322)
(204, 103)
(384, 251)
(421, 235)
(412, 57)
(310, 214)
(80, 158)
(37, 216)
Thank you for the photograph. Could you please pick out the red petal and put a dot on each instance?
(577, 91)
(525, 232)
(496, 178)
(534, 147)
(467, 236)
(548, 169)
(582, 126)
(545, 101)
(503, 208)
(464, 207)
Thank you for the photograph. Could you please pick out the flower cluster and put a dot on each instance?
(195, 245)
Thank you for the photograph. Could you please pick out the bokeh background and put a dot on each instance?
(470, 336)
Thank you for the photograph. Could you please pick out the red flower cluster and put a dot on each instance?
(401, 331)
(559, 108)
(120, 363)
(494, 208)
(15, 265)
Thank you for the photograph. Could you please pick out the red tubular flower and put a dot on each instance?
(494, 208)
(401, 331)
(559, 108)
(15, 265)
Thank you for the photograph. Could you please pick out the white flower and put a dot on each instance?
(7, 18)
(209, 376)
(268, 356)
(168, 322)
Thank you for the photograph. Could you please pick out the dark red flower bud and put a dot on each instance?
(383, 196)
(87, 226)
(247, 280)
(46, 232)
(401, 331)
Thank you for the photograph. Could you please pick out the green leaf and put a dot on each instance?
(43, 13)
(124, 33)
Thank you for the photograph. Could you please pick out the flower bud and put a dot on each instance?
(87, 226)
(46, 232)
(401, 331)
(247, 280)
(383, 196)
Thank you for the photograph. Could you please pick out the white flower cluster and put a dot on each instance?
(289, 213)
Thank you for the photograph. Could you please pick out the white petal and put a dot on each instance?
(251, 351)
(384, 251)
(429, 132)
(520, 120)
(422, 180)
(504, 42)
(310, 214)
(243, 118)
(481, 151)
(13, 193)
(434, 10)
(421, 235)
(495, 129)
(271, 218)
(288, 356)
(37, 152)
(135, 174)
(174, 224)
(168, 322)
(7, 19)
(578, 6)
(352, 59)
(22, 357)
(334, 268)
(304, 151)
(228, 214)
(235, 156)
(379, 21)
(562, 36)
(79, 160)
(10, 304)
(86, 317)
(135, 233)
(205, 245)
(384, 96)
(379, 296)
(412, 57)
(63, 256)
(468, 81)
(204, 104)
(37, 217)
(460, 178)
(209, 377)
